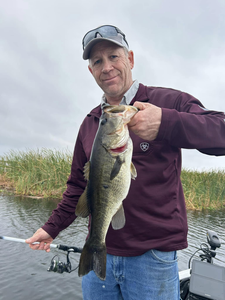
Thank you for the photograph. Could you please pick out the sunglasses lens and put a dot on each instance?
(104, 31)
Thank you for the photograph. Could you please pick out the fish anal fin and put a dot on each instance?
(133, 171)
(82, 209)
(118, 220)
(116, 168)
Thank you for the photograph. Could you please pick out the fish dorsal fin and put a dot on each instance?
(118, 220)
(87, 170)
(82, 209)
(133, 171)
(116, 168)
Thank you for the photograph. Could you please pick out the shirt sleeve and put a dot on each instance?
(190, 125)
(64, 214)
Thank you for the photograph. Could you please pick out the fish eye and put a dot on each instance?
(103, 121)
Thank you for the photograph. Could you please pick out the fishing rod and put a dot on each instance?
(56, 265)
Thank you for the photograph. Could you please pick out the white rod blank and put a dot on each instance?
(12, 239)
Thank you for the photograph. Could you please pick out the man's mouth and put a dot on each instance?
(109, 79)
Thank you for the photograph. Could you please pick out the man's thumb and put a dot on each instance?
(30, 240)
(141, 105)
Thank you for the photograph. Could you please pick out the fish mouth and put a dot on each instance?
(120, 136)
(120, 130)
(115, 109)
(122, 143)
(126, 111)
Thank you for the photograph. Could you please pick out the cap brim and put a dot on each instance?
(91, 44)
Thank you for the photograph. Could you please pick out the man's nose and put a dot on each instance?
(107, 66)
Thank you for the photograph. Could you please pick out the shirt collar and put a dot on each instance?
(128, 96)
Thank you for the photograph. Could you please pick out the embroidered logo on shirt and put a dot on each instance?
(144, 146)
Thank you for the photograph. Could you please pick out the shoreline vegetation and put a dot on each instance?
(43, 173)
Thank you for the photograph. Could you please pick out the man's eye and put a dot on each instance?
(113, 57)
(97, 62)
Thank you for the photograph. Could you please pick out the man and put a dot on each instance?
(141, 257)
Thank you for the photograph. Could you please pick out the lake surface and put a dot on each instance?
(23, 272)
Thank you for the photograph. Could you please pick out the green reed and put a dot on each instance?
(42, 172)
(204, 190)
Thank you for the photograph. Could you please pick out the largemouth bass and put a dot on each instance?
(109, 174)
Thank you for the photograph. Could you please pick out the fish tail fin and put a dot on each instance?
(93, 258)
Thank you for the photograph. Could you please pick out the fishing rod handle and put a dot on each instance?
(12, 239)
(70, 249)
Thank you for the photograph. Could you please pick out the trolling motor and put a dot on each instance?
(60, 267)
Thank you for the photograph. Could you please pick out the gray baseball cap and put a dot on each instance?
(103, 33)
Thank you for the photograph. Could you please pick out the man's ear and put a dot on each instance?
(89, 68)
(131, 58)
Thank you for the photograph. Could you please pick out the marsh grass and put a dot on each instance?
(204, 190)
(41, 172)
(44, 172)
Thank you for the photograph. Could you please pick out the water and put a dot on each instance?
(23, 272)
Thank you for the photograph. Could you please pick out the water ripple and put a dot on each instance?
(24, 272)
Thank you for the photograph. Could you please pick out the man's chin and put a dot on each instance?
(112, 93)
(112, 90)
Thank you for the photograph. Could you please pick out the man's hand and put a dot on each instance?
(43, 238)
(146, 122)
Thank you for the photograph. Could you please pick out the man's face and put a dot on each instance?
(111, 68)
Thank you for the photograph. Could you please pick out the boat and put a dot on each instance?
(203, 279)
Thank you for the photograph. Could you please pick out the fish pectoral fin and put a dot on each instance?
(87, 170)
(82, 209)
(116, 168)
(118, 220)
(133, 171)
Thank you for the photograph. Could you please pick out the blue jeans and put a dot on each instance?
(153, 275)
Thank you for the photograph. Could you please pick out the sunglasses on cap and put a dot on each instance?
(106, 31)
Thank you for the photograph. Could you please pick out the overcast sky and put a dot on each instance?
(45, 86)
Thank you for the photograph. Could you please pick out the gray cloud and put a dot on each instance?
(46, 89)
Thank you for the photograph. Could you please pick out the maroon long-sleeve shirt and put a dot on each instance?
(155, 206)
